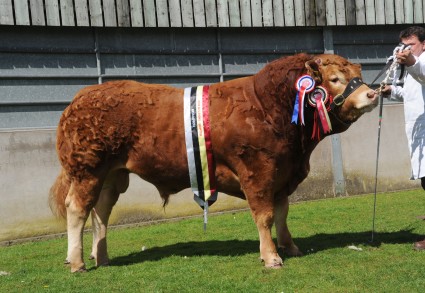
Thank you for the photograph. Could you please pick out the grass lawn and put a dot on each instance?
(180, 257)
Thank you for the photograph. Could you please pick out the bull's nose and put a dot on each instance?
(371, 94)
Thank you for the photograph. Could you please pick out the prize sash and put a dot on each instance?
(198, 145)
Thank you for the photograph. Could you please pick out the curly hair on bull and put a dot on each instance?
(89, 130)
(280, 74)
(275, 83)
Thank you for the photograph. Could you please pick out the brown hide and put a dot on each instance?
(260, 155)
(126, 124)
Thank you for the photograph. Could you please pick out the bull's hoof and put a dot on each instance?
(66, 262)
(275, 263)
(79, 269)
(274, 266)
(102, 261)
(420, 245)
(292, 250)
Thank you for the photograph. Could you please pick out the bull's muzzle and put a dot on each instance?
(354, 84)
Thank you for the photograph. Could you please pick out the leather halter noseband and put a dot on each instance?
(339, 99)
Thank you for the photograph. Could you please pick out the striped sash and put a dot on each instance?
(198, 145)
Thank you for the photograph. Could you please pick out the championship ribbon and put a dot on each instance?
(318, 99)
(303, 85)
(199, 148)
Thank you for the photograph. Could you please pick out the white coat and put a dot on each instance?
(413, 96)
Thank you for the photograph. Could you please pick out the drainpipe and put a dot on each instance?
(337, 166)
(96, 50)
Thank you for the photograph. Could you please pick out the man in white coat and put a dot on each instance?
(413, 96)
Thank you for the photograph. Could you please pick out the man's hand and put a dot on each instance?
(405, 57)
(385, 91)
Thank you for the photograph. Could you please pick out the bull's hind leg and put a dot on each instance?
(79, 201)
(284, 238)
(116, 182)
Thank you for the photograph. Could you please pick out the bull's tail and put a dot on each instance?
(58, 193)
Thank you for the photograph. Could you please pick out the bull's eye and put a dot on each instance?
(334, 79)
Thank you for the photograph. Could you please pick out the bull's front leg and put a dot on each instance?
(257, 173)
(284, 238)
(264, 220)
(261, 204)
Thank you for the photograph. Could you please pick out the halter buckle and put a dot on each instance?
(339, 100)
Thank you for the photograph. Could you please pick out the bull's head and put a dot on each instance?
(352, 98)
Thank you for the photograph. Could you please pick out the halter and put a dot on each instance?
(339, 99)
(307, 88)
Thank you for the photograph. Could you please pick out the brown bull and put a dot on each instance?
(115, 128)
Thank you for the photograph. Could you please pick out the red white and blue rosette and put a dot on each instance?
(304, 85)
(318, 99)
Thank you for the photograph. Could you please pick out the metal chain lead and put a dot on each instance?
(390, 72)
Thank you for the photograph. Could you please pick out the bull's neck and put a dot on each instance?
(274, 87)
(275, 95)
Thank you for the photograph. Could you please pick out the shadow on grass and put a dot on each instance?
(316, 243)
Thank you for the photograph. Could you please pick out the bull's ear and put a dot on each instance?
(313, 69)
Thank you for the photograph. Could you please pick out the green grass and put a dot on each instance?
(180, 257)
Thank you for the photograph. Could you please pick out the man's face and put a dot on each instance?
(417, 47)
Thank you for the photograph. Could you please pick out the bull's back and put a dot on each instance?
(115, 119)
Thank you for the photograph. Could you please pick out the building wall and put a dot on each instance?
(210, 13)
(41, 68)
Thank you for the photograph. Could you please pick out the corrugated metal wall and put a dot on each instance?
(41, 68)
(210, 13)
(51, 48)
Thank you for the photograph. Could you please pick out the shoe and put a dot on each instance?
(420, 245)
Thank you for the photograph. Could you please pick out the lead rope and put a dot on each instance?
(390, 76)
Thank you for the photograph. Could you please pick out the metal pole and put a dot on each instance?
(220, 55)
(391, 70)
(98, 62)
(381, 105)
(205, 215)
(337, 166)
